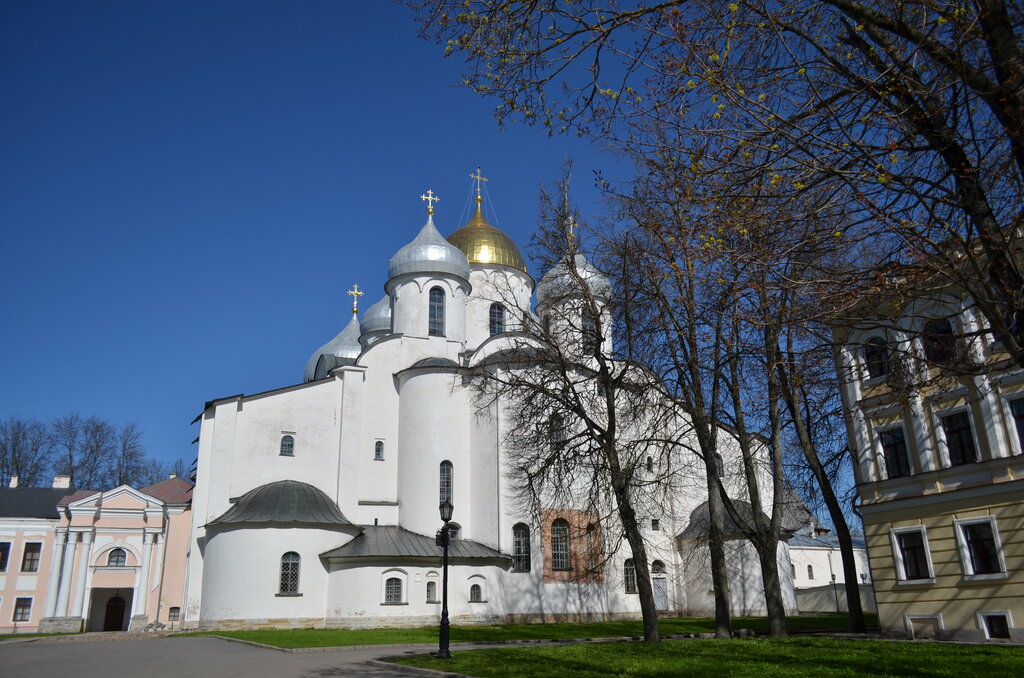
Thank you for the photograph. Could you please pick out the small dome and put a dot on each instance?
(485, 244)
(429, 252)
(285, 502)
(377, 318)
(558, 283)
(345, 346)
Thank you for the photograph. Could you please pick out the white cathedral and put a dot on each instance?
(316, 504)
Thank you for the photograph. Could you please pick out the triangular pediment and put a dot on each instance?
(124, 497)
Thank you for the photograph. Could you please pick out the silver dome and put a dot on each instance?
(558, 283)
(345, 346)
(429, 252)
(377, 318)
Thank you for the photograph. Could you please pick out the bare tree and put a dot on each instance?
(602, 413)
(98, 454)
(908, 114)
(25, 451)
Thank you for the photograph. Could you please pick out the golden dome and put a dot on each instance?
(485, 244)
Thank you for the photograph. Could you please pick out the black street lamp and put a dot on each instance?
(835, 592)
(444, 537)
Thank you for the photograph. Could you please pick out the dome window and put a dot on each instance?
(591, 339)
(436, 313)
(445, 482)
(497, 319)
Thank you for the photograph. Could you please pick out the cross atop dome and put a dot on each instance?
(355, 298)
(429, 197)
(479, 178)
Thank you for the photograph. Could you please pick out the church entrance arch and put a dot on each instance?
(109, 609)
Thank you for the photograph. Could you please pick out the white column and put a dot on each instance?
(83, 570)
(142, 590)
(52, 588)
(158, 559)
(919, 425)
(66, 572)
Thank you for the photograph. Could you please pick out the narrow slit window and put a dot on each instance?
(436, 313)
(496, 319)
(378, 451)
(629, 576)
(445, 482)
(520, 548)
(560, 544)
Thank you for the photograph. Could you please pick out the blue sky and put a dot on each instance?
(187, 190)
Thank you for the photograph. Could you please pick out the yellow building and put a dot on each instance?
(935, 417)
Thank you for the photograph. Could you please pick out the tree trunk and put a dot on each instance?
(767, 553)
(644, 586)
(719, 572)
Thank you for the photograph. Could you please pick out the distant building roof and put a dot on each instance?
(829, 541)
(390, 541)
(285, 502)
(75, 496)
(170, 491)
(31, 502)
(700, 522)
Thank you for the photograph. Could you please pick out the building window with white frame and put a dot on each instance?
(290, 574)
(117, 558)
(996, 624)
(393, 591)
(378, 451)
(876, 357)
(912, 562)
(520, 548)
(894, 452)
(435, 321)
(956, 429)
(496, 319)
(979, 546)
(22, 610)
(560, 544)
(629, 575)
(287, 446)
(30, 557)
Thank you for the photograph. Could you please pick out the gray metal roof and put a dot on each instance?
(31, 502)
(558, 283)
(435, 362)
(429, 252)
(391, 541)
(700, 522)
(344, 346)
(377, 318)
(285, 502)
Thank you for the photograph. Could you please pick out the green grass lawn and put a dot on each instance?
(294, 638)
(755, 658)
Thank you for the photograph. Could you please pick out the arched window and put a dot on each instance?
(876, 357)
(117, 558)
(629, 575)
(792, 567)
(650, 464)
(431, 591)
(445, 483)
(393, 590)
(378, 451)
(658, 567)
(287, 446)
(810, 572)
(436, 312)
(476, 594)
(939, 341)
(496, 319)
(559, 544)
(591, 339)
(290, 572)
(591, 547)
(556, 432)
(520, 548)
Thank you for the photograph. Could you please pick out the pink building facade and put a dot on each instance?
(97, 561)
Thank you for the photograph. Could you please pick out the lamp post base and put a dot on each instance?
(442, 654)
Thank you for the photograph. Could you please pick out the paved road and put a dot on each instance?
(194, 657)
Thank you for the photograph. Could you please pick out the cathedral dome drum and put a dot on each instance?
(377, 318)
(558, 283)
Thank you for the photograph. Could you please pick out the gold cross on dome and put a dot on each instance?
(355, 298)
(479, 178)
(429, 197)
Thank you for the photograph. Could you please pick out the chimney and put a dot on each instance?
(61, 481)
(14, 481)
